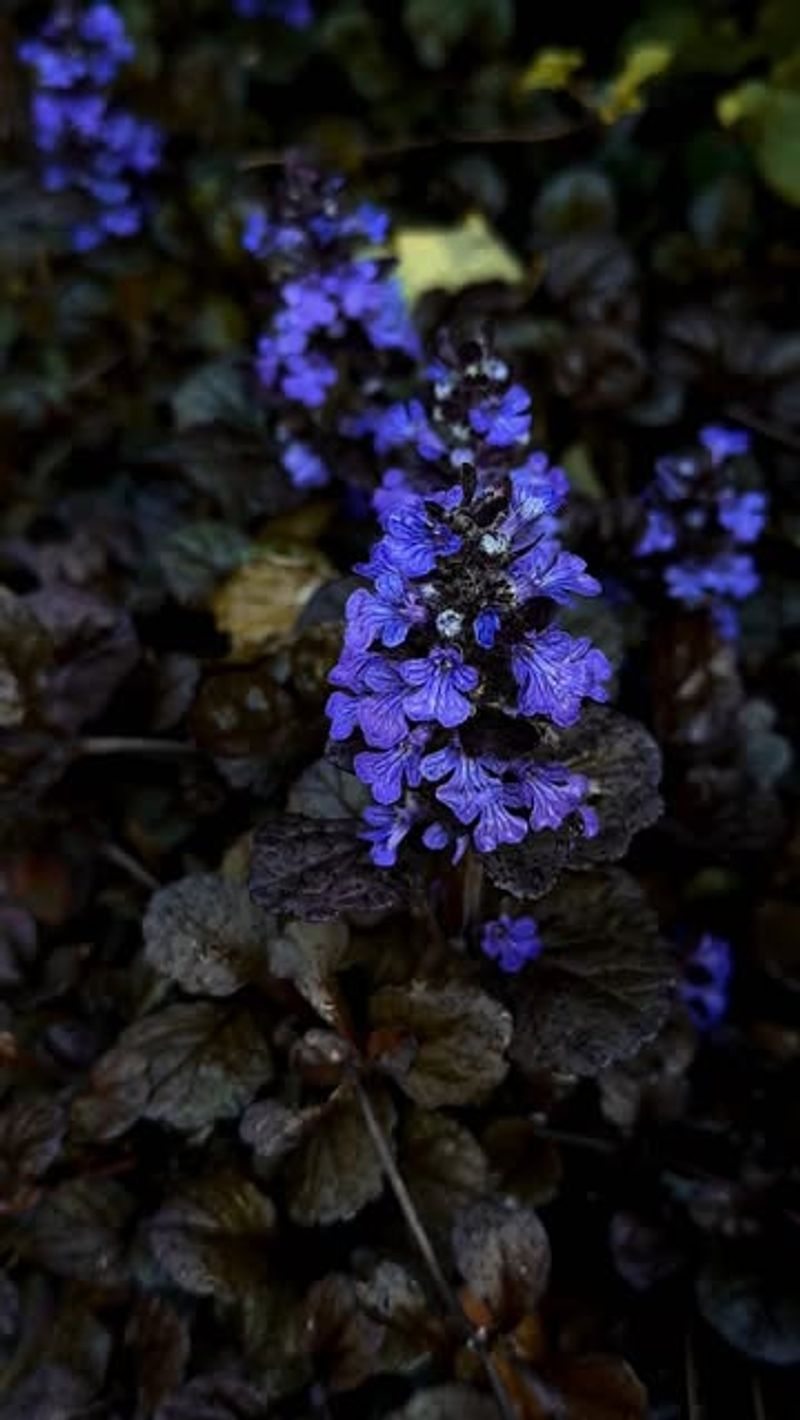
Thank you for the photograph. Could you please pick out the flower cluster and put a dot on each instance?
(511, 941)
(453, 673)
(89, 146)
(475, 417)
(339, 314)
(701, 510)
(298, 14)
(705, 985)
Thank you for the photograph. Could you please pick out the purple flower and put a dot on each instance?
(381, 713)
(659, 534)
(387, 614)
(388, 771)
(549, 792)
(705, 986)
(417, 540)
(475, 793)
(440, 687)
(92, 148)
(555, 672)
(308, 379)
(485, 628)
(407, 424)
(546, 571)
(387, 827)
(724, 443)
(742, 514)
(505, 421)
(298, 14)
(304, 467)
(511, 942)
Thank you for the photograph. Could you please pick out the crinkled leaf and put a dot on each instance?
(447, 1402)
(443, 1164)
(187, 1066)
(756, 1313)
(206, 935)
(336, 1172)
(393, 1298)
(211, 1236)
(445, 1045)
(78, 1231)
(319, 871)
(603, 984)
(274, 1130)
(160, 1340)
(96, 648)
(324, 791)
(25, 649)
(341, 1338)
(503, 1254)
(623, 766)
(194, 558)
(219, 1395)
(216, 393)
(31, 1136)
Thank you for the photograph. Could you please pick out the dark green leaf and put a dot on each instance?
(205, 934)
(77, 1231)
(603, 984)
(444, 1045)
(187, 1066)
(756, 1313)
(211, 1237)
(196, 557)
(319, 871)
(503, 1253)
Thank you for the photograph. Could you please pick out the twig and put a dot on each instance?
(120, 744)
(759, 1408)
(475, 1339)
(121, 859)
(545, 133)
(576, 1141)
(694, 1406)
(770, 430)
(472, 895)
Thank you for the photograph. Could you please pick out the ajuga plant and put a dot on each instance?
(90, 148)
(703, 508)
(456, 636)
(338, 326)
(470, 715)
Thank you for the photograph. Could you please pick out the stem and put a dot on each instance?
(475, 1339)
(694, 1408)
(545, 133)
(759, 1408)
(472, 898)
(118, 856)
(121, 744)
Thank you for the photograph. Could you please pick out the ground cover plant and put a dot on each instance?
(399, 657)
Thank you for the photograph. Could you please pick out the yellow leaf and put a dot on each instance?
(261, 601)
(745, 101)
(551, 69)
(451, 258)
(643, 63)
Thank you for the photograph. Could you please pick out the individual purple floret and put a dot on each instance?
(701, 510)
(89, 147)
(705, 986)
(298, 14)
(338, 325)
(511, 941)
(451, 649)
